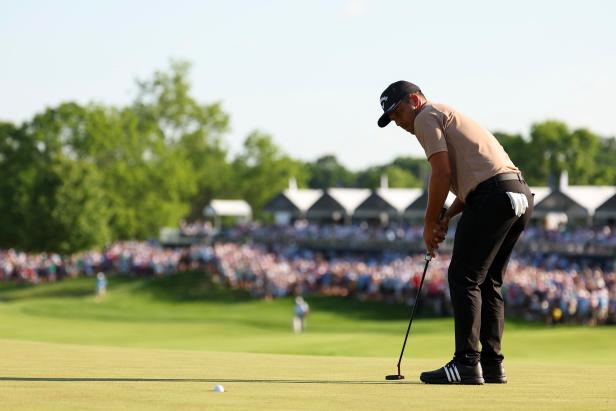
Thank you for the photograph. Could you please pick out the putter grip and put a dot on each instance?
(442, 214)
(428, 257)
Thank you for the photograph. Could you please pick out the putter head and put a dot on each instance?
(394, 377)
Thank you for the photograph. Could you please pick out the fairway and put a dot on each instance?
(164, 343)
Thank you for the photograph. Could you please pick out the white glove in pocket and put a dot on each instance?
(519, 203)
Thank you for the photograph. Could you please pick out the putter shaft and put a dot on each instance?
(428, 257)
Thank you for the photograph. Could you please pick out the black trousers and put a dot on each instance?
(485, 237)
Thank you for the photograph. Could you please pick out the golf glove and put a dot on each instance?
(519, 203)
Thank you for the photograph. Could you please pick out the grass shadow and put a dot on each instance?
(201, 286)
(190, 286)
(363, 310)
(208, 380)
(63, 289)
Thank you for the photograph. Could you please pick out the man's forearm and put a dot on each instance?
(455, 208)
(437, 194)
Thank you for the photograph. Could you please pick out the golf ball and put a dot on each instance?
(219, 388)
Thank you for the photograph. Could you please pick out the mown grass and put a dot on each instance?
(163, 343)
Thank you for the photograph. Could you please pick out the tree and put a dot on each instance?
(553, 148)
(418, 167)
(50, 202)
(518, 150)
(580, 151)
(17, 174)
(68, 209)
(605, 172)
(263, 170)
(327, 172)
(193, 131)
(76, 176)
(397, 177)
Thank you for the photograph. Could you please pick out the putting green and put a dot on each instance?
(164, 344)
(44, 376)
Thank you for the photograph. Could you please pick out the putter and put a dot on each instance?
(399, 376)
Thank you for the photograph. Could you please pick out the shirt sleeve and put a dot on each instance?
(430, 133)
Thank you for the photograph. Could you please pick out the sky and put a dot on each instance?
(310, 73)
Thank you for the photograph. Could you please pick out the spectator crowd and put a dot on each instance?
(537, 287)
(394, 231)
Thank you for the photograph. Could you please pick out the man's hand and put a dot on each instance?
(429, 235)
(443, 228)
(434, 233)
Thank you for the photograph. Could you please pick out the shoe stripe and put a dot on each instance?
(453, 375)
(447, 373)
(456, 370)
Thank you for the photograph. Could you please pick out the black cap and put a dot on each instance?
(392, 96)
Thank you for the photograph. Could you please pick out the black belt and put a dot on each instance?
(508, 176)
(501, 177)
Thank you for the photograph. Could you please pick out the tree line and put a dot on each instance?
(78, 176)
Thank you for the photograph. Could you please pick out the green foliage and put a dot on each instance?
(518, 149)
(77, 176)
(397, 177)
(327, 172)
(605, 171)
(553, 148)
(189, 160)
(418, 167)
(262, 170)
(111, 173)
(76, 217)
(17, 173)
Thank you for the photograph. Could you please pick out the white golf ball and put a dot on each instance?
(219, 388)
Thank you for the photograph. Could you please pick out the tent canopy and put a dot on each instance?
(228, 208)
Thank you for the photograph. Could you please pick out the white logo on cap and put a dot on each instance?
(383, 100)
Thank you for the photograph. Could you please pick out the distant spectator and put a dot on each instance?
(101, 285)
(301, 311)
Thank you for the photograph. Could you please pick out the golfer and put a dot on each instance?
(496, 205)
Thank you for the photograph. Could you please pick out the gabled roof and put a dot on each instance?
(540, 193)
(373, 205)
(340, 199)
(349, 198)
(399, 198)
(608, 207)
(302, 198)
(576, 200)
(420, 204)
(590, 197)
(293, 200)
(559, 202)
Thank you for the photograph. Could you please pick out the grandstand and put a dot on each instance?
(554, 205)
(366, 244)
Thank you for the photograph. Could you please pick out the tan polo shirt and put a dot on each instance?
(474, 153)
